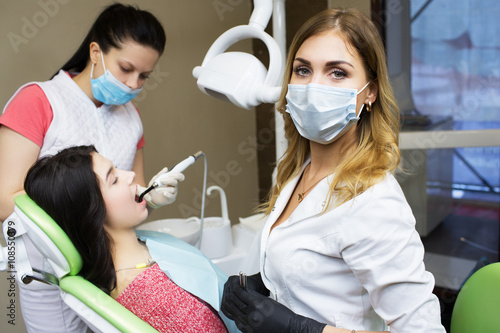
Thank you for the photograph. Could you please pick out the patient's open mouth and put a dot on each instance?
(149, 189)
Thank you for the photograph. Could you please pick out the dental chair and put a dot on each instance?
(477, 308)
(98, 310)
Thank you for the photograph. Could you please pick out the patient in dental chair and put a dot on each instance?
(164, 281)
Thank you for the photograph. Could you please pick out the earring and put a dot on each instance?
(369, 107)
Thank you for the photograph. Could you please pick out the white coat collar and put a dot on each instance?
(313, 203)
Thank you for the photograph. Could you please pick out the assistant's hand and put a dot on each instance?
(256, 313)
(167, 192)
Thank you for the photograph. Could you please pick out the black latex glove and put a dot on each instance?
(256, 313)
(254, 283)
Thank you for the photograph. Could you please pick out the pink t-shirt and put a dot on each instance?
(30, 114)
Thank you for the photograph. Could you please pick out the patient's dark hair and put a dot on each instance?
(66, 187)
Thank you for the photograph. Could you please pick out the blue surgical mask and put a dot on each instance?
(107, 89)
(322, 113)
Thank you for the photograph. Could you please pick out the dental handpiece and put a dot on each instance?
(179, 167)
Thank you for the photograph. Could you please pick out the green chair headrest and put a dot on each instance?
(52, 229)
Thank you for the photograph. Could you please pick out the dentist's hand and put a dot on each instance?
(256, 313)
(254, 283)
(164, 194)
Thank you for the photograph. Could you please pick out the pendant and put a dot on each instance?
(301, 197)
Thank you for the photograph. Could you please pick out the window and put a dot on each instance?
(455, 72)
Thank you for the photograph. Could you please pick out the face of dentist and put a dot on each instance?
(130, 64)
(118, 188)
(326, 59)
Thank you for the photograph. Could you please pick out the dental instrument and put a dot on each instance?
(197, 239)
(181, 166)
(243, 280)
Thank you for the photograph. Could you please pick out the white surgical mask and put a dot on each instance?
(322, 113)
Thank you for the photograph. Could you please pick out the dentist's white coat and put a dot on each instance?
(357, 266)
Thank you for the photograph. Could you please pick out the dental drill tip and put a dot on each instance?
(141, 197)
(149, 189)
(197, 155)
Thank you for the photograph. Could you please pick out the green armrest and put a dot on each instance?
(105, 306)
(53, 231)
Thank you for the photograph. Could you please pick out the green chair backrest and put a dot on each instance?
(52, 230)
(477, 308)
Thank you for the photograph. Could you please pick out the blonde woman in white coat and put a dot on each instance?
(339, 249)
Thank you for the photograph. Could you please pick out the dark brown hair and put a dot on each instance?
(66, 187)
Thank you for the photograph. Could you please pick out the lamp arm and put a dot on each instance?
(263, 9)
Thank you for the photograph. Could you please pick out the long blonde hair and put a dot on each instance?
(377, 133)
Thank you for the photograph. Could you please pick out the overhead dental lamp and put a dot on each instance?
(239, 77)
